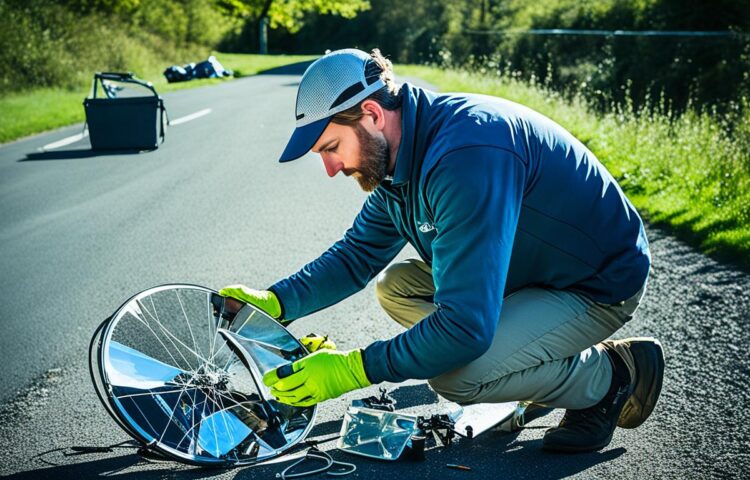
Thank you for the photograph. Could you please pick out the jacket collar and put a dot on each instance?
(405, 157)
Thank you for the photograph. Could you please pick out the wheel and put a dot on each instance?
(179, 368)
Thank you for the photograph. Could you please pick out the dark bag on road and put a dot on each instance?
(210, 68)
(176, 73)
(124, 123)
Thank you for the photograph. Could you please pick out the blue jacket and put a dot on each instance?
(495, 197)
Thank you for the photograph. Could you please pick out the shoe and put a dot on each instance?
(591, 428)
(644, 358)
(637, 372)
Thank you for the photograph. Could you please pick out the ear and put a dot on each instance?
(374, 113)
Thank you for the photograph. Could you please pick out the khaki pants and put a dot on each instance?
(545, 347)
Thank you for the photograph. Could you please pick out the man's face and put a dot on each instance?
(354, 151)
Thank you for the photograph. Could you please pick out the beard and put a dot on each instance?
(374, 156)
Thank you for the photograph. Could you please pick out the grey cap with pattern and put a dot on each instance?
(333, 83)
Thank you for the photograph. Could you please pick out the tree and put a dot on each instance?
(288, 14)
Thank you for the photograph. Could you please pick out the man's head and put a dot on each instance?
(348, 112)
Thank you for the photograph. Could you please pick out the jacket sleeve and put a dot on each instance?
(345, 268)
(475, 197)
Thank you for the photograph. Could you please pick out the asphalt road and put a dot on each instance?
(81, 233)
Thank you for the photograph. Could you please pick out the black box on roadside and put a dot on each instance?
(124, 123)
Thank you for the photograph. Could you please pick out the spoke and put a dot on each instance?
(187, 320)
(130, 395)
(226, 425)
(213, 426)
(236, 403)
(171, 416)
(170, 335)
(158, 338)
(203, 418)
(145, 417)
(210, 322)
(193, 440)
(213, 339)
(229, 361)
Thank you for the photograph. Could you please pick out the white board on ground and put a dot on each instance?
(483, 416)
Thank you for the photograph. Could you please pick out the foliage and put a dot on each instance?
(406, 31)
(288, 16)
(44, 44)
(182, 22)
(612, 69)
(624, 69)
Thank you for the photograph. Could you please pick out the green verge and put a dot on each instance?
(38, 110)
(689, 172)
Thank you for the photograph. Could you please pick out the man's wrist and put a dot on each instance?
(279, 302)
(362, 377)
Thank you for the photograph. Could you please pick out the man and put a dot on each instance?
(531, 255)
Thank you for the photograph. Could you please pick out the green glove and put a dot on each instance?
(314, 342)
(320, 376)
(264, 299)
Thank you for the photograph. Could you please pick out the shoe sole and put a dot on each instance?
(648, 357)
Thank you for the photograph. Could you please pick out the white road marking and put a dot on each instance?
(79, 136)
(190, 117)
(66, 141)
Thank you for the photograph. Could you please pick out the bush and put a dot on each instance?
(46, 44)
(637, 69)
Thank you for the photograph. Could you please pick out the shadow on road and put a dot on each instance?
(729, 257)
(81, 153)
(111, 466)
(291, 69)
(413, 395)
(494, 455)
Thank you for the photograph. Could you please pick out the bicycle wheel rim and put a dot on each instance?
(96, 374)
(173, 381)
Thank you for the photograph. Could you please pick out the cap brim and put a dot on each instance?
(303, 139)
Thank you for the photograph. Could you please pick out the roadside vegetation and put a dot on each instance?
(40, 109)
(690, 171)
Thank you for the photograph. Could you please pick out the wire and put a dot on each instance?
(314, 442)
(609, 33)
(317, 455)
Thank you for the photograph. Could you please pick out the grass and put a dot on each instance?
(38, 110)
(690, 172)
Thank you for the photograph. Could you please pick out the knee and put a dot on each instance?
(388, 284)
(456, 389)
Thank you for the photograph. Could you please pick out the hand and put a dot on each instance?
(264, 299)
(320, 376)
(314, 342)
